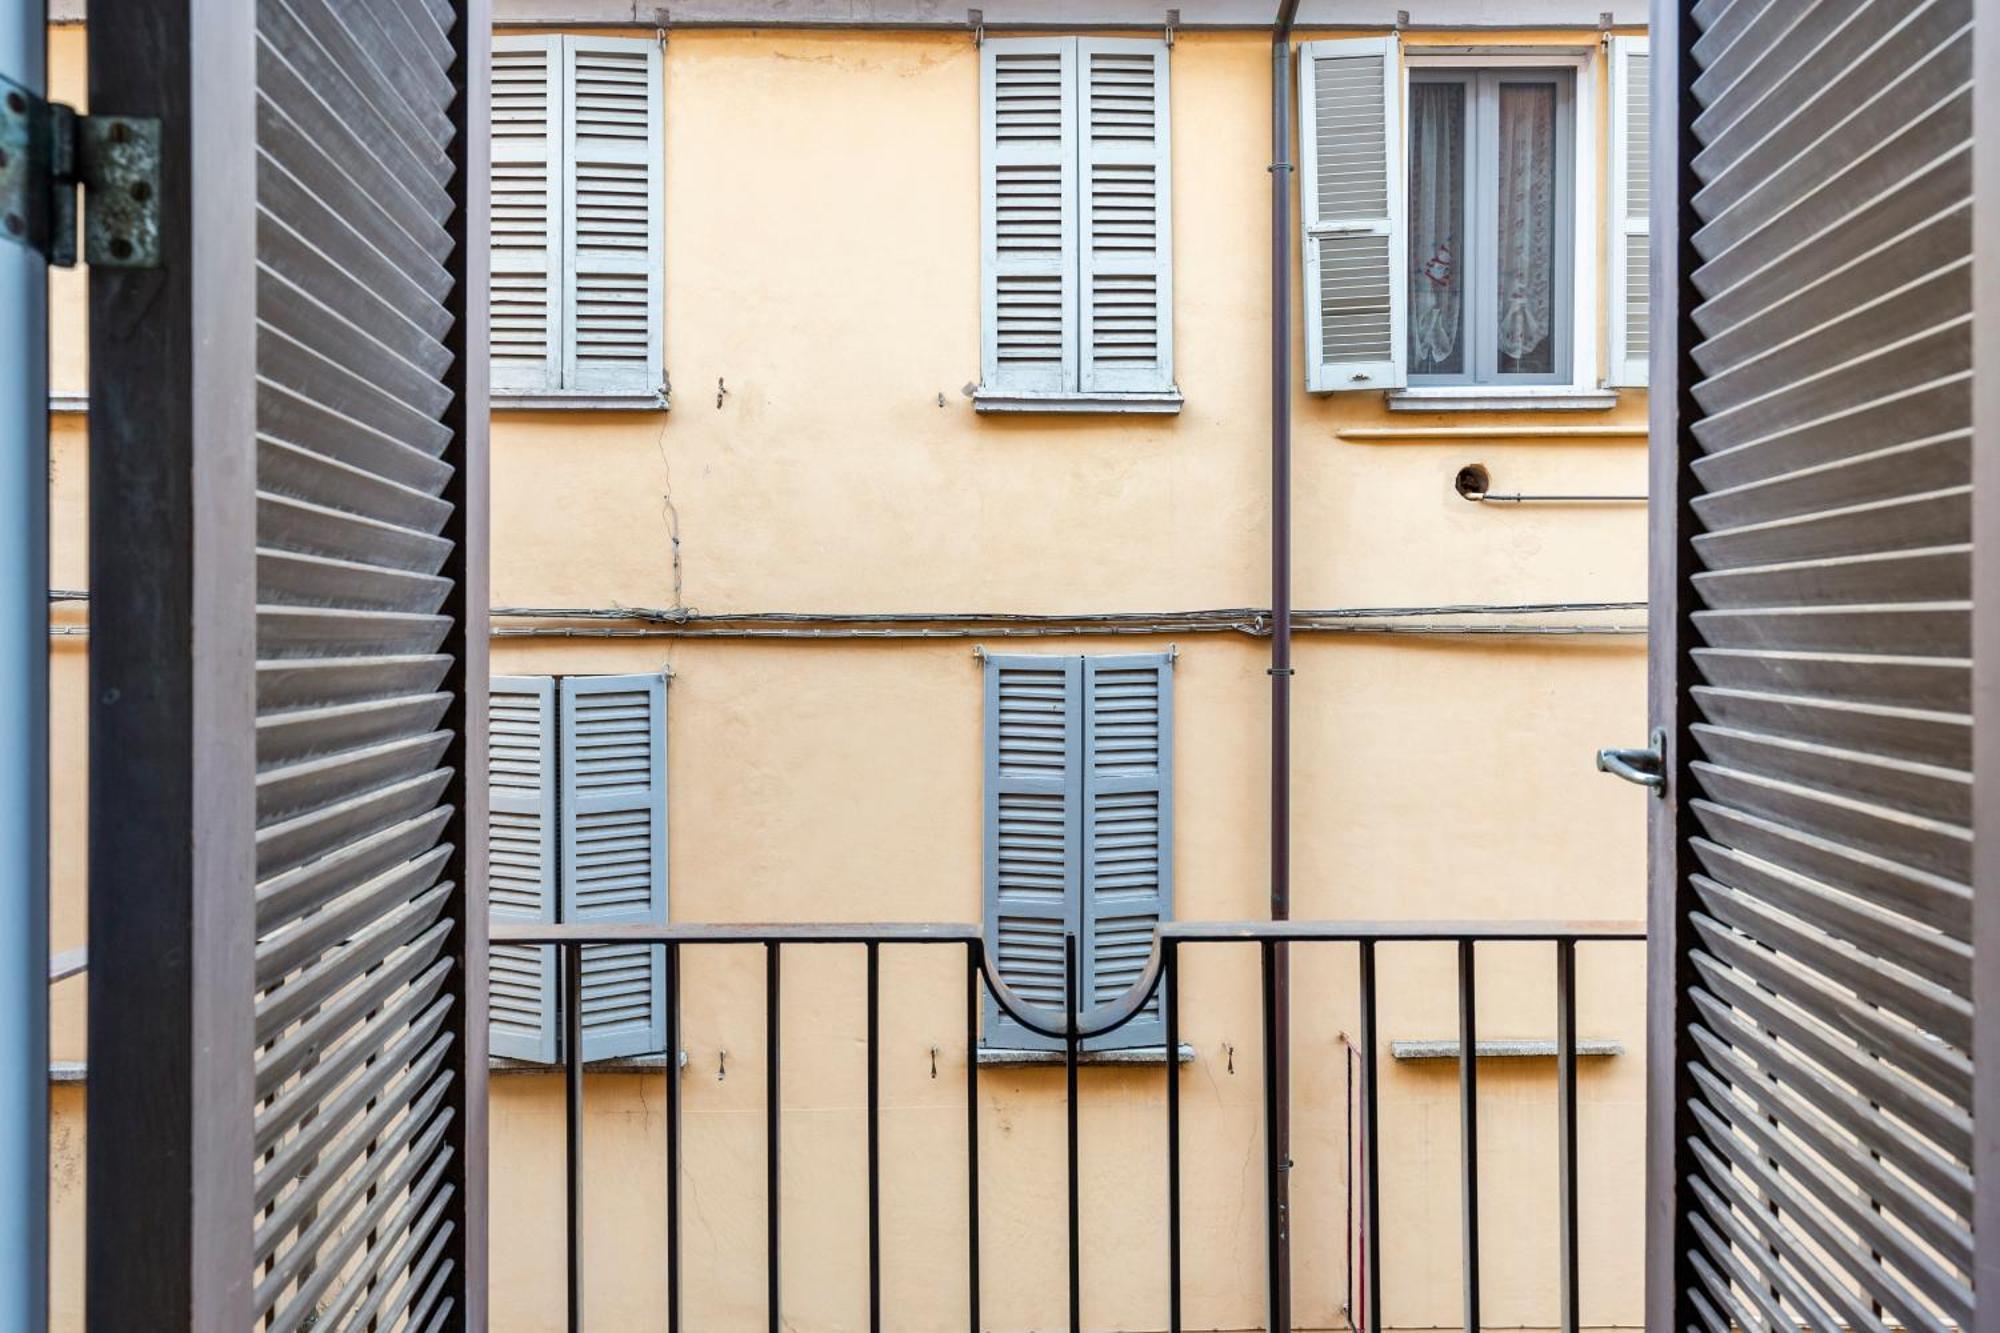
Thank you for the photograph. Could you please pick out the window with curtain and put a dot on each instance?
(1490, 258)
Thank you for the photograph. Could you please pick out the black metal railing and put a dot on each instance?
(1073, 1028)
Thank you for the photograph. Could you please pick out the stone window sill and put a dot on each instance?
(1486, 398)
(579, 402)
(1001, 1057)
(1165, 401)
(1521, 1048)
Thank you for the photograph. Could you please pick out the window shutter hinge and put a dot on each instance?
(47, 151)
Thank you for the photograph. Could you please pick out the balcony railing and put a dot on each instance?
(1074, 1027)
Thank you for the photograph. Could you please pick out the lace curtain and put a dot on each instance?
(1437, 208)
(1527, 226)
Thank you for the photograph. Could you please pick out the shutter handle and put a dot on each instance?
(1647, 767)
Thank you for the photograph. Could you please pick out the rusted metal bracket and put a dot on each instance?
(47, 151)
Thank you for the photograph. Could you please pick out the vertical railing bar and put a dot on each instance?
(1566, 1128)
(1273, 1181)
(972, 1131)
(874, 1138)
(1070, 1040)
(1172, 1000)
(1468, 1125)
(1371, 1158)
(673, 959)
(771, 1115)
(572, 965)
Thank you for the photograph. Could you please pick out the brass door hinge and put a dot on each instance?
(47, 151)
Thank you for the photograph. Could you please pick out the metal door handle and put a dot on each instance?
(1647, 767)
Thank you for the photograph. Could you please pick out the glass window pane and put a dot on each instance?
(1527, 229)
(1437, 228)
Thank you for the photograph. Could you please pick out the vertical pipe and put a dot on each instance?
(24, 731)
(1281, 635)
(1468, 1126)
(874, 1138)
(1566, 1128)
(1171, 962)
(1273, 1172)
(773, 1318)
(972, 1132)
(673, 1138)
(1070, 1041)
(572, 972)
(1371, 1158)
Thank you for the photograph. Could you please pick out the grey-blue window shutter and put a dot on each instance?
(1128, 825)
(526, 233)
(1125, 229)
(614, 851)
(1034, 751)
(521, 874)
(1028, 223)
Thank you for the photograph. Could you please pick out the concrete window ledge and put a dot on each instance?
(1485, 398)
(1000, 1057)
(998, 400)
(579, 402)
(626, 1064)
(1502, 1048)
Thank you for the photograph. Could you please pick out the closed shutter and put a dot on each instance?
(1351, 197)
(1128, 748)
(1123, 181)
(1028, 215)
(1034, 751)
(527, 221)
(614, 851)
(1822, 916)
(521, 854)
(1631, 128)
(611, 237)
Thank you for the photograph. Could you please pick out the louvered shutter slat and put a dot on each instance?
(614, 852)
(1127, 819)
(526, 285)
(1351, 199)
(1028, 171)
(1631, 129)
(1033, 867)
(1125, 194)
(521, 861)
(611, 246)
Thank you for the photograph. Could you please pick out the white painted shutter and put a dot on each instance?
(1351, 196)
(614, 851)
(1128, 821)
(1124, 192)
(1033, 861)
(521, 857)
(1028, 229)
(611, 241)
(526, 284)
(1631, 126)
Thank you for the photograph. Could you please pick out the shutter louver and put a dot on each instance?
(1351, 199)
(1028, 220)
(521, 852)
(611, 215)
(1124, 189)
(1127, 842)
(1034, 749)
(1631, 129)
(614, 851)
(1827, 932)
(526, 301)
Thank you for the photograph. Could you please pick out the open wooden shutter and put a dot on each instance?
(1814, 895)
(1034, 754)
(1028, 228)
(611, 237)
(521, 849)
(527, 221)
(1124, 191)
(1351, 196)
(1631, 128)
(1128, 820)
(614, 851)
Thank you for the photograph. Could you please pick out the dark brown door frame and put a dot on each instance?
(172, 759)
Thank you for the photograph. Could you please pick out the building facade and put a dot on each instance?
(881, 521)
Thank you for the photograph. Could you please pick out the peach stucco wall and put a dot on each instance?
(822, 266)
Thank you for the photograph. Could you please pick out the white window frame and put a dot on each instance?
(1584, 386)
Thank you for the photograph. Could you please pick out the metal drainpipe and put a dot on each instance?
(1281, 647)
